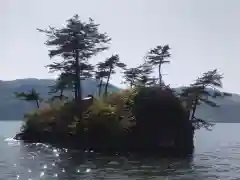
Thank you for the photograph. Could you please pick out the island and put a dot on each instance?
(147, 117)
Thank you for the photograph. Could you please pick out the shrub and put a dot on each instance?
(161, 118)
(137, 119)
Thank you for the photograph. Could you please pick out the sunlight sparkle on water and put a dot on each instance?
(42, 174)
(55, 150)
(88, 170)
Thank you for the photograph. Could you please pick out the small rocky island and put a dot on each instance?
(148, 117)
(139, 120)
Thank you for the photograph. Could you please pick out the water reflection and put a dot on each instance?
(36, 161)
(217, 157)
(43, 161)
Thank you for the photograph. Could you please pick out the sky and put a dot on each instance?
(202, 34)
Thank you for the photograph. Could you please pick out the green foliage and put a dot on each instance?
(160, 117)
(157, 57)
(49, 121)
(29, 96)
(142, 117)
(109, 66)
(197, 93)
(127, 119)
(102, 119)
(13, 108)
(75, 43)
(139, 76)
(63, 82)
(130, 76)
(100, 74)
(102, 116)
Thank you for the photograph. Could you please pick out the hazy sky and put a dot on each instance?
(203, 34)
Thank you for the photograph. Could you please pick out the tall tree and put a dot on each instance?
(29, 96)
(76, 43)
(110, 64)
(100, 74)
(198, 93)
(157, 57)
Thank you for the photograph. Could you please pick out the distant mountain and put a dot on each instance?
(12, 108)
(229, 110)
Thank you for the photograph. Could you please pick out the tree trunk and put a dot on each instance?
(106, 86)
(196, 101)
(159, 74)
(189, 105)
(37, 102)
(78, 91)
(61, 94)
(75, 91)
(77, 77)
(80, 88)
(194, 108)
(100, 88)
(131, 85)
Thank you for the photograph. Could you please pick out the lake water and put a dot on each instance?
(217, 156)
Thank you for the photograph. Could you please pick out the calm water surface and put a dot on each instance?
(217, 156)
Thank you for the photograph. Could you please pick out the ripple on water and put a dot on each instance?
(40, 161)
(12, 142)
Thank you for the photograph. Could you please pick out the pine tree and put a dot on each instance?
(110, 65)
(63, 82)
(100, 74)
(198, 93)
(144, 78)
(131, 75)
(157, 57)
(67, 68)
(76, 43)
(29, 96)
